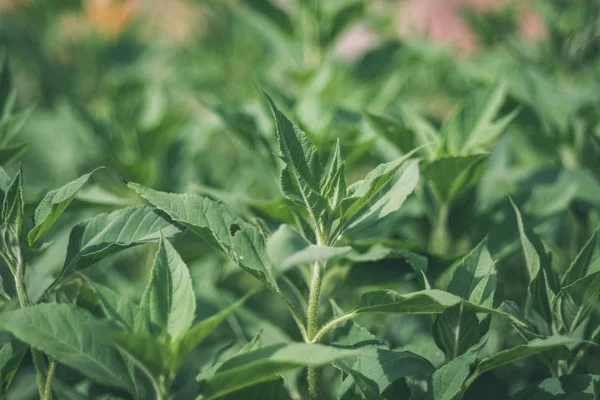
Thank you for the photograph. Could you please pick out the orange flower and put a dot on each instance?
(109, 17)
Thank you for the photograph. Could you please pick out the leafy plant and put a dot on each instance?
(399, 221)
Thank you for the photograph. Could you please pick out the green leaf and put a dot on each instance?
(378, 195)
(11, 355)
(430, 301)
(575, 302)
(472, 125)
(285, 242)
(543, 282)
(447, 381)
(301, 177)
(241, 241)
(13, 207)
(343, 14)
(333, 182)
(273, 14)
(122, 310)
(287, 248)
(265, 363)
(453, 176)
(169, 298)
(536, 346)
(526, 329)
(579, 266)
(52, 206)
(394, 130)
(350, 335)
(10, 126)
(269, 390)
(107, 234)
(456, 330)
(572, 387)
(184, 345)
(474, 277)
(381, 368)
(533, 249)
(314, 253)
(68, 334)
(148, 352)
(5, 84)
(11, 152)
(5, 182)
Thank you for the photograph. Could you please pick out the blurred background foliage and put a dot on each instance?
(165, 93)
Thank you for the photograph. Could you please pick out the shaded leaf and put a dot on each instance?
(381, 368)
(579, 267)
(287, 249)
(379, 194)
(350, 335)
(453, 176)
(543, 280)
(11, 152)
(169, 298)
(574, 387)
(474, 277)
(456, 330)
(190, 339)
(67, 334)
(13, 207)
(265, 363)
(575, 302)
(11, 355)
(122, 310)
(107, 234)
(52, 206)
(447, 381)
(472, 125)
(536, 346)
(148, 352)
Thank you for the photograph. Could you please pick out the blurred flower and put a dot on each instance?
(355, 42)
(436, 20)
(9, 4)
(109, 17)
(440, 21)
(531, 25)
(177, 20)
(72, 27)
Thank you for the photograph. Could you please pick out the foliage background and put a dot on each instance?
(165, 93)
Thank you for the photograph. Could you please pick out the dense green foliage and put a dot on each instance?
(252, 216)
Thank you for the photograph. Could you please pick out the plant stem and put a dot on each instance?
(439, 241)
(36, 355)
(20, 284)
(313, 387)
(581, 353)
(312, 324)
(330, 325)
(48, 389)
(313, 300)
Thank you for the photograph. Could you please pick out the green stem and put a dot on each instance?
(439, 241)
(20, 284)
(581, 353)
(48, 389)
(312, 324)
(313, 300)
(330, 325)
(313, 388)
(38, 365)
(36, 355)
